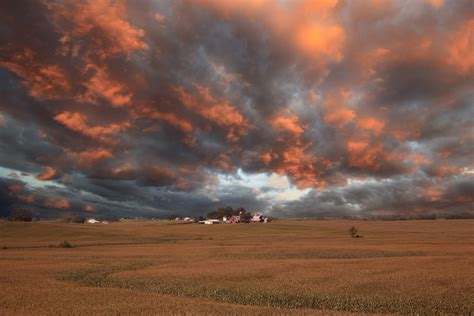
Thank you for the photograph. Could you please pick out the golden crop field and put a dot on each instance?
(283, 267)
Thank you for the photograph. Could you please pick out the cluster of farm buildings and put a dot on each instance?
(94, 221)
(212, 218)
(236, 219)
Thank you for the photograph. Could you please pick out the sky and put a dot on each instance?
(298, 108)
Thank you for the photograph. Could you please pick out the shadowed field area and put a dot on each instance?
(285, 267)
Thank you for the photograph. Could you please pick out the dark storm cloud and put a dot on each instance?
(6, 199)
(399, 196)
(141, 106)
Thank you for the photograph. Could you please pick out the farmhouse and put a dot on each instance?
(235, 219)
(210, 221)
(257, 218)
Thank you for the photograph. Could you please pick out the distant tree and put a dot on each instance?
(353, 232)
(65, 244)
(211, 215)
(22, 215)
(245, 217)
(221, 212)
(459, 216)
(112, 219)
(200, 218)
(240, 210)
(173, 216)
(225, 211)
(78, 220)
(229, 212)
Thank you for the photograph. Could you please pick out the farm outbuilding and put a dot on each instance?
(235, 219)
(257, 218)
(210, 221)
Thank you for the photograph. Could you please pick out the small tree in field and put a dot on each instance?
(65, 244)
(353, 232)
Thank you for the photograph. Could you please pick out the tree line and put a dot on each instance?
(221, 212)
(229, 212)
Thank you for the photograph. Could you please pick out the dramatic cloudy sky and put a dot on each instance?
(299, 108)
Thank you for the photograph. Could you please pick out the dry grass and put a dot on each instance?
(284, 267)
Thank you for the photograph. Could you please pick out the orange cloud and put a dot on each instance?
(192, 177)
(288, 123)
(300, 166)
(443, 171)
(408, 128)
(168, 117)
(218, 111)
(159, 175)
(227, 8)
(14, 188)
(436, 3)
(101, 87)
(26, 198)
(461, 48)
(320, 40)
(419, 159)
(125, 171)
(310, 25)
(48, 173)
(405, 134)
(42, 81)
(89, 157)
(433, 193)
(57, 202)
(74, 121)
(368, 60)
(370, 11)
(78, 123)
(88, 208)
(103, 22)
(307, 9)
(371, 123)
(338, 116)
(266, 158)
(224, 159)
(159, 18)
(315, 31)
(223, 162)
(335, 109)
(364, 155)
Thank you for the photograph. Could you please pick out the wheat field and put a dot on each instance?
(284, 267)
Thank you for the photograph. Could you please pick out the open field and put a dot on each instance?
(283, 267)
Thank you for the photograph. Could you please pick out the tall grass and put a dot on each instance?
(290, 266)
(103, 277)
